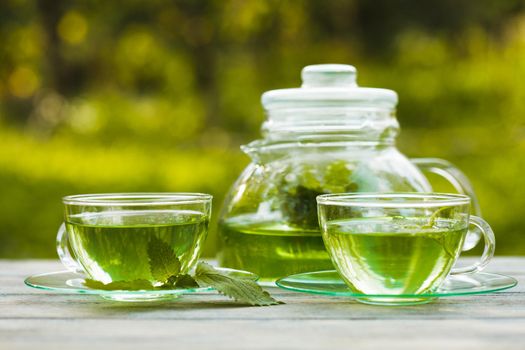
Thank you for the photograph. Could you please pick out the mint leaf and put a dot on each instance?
(186, 281)
(300, 207)
(243, 290)
(337, 177)
(441, 212)
(119, 285)
(240, 289)
(298, 194)
(163, 262)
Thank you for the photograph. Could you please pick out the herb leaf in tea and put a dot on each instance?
(337, 178)
(299, 205)
(445, 212)
(164, 264)
(241, 290)
(119, 285)
(186, 281)
(165, 267)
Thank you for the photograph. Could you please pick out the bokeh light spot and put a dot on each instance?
(73, 28)
(23, 82)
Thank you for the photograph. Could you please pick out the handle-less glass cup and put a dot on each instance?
(120, 237)
(398, 244)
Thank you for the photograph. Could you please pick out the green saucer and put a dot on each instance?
(73, 283)
(329, 283)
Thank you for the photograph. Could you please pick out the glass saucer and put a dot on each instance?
(329, 283)
(73, 283)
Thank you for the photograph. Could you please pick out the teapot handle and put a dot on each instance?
(460, 182)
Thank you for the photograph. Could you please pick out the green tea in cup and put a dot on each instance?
(398, 244)
(124, 238)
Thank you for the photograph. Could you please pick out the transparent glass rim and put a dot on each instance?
(137, 198)
(394, 200)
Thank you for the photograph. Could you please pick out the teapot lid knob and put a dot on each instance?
(328, 85)
(329, 75)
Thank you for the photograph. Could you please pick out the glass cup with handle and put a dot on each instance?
(399, 244)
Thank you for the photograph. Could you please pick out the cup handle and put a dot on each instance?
(488, 252)
(460, 182)
(63, 252)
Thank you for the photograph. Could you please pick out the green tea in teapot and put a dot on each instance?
(271, 249)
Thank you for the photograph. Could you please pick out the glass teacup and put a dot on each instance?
(123, 237)
(400, 244)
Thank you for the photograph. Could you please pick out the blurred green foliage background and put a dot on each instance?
(109, 96)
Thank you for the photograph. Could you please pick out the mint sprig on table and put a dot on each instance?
(241, 290)
(165, 267)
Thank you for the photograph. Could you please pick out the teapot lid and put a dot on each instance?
(328, 85)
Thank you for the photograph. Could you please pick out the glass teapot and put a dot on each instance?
(328, 136)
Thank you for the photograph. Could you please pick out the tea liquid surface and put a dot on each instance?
(271, 249)
(114, 245)
(385, 256)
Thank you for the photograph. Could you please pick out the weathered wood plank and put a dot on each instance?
(32, 319)
(297, 307)
(280, 334)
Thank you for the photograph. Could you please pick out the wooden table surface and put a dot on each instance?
(35, 319)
